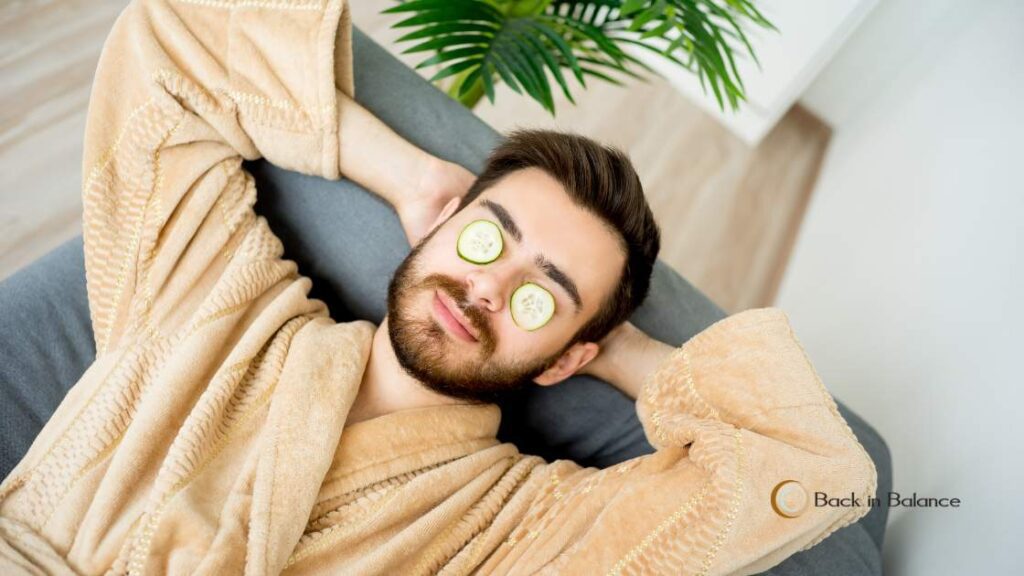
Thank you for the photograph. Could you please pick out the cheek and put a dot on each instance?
(438, 256)
(514, 342)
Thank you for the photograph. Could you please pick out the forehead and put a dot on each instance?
(577, 241)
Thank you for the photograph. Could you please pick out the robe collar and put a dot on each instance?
(412, 439)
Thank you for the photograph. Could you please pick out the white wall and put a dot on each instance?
(906, 284)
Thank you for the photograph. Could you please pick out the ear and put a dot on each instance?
(571, 361)
(449, 209)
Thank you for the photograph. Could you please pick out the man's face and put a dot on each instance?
(449, 319)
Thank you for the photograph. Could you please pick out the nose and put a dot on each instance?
(485, 287)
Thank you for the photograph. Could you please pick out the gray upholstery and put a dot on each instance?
(46, 344)
(350, 242)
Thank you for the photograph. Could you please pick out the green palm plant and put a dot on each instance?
(477, 43)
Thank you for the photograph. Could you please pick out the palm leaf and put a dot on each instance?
(448, 27)
(598, 74)
(552, 64)
(448, 41)
(455, 68)
(470, 80)
(563, 47)
(447, 8)
(505, 73)
(527, 72)
(488, 80)
(527, 44)
(459, 53)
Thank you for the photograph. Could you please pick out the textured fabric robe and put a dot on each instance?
(209, 436)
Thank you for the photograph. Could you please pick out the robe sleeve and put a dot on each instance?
(185, 90)
(734, 414)
(191, 443)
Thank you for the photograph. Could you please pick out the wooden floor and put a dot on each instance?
(729, 214)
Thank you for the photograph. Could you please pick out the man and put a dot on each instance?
(229, 426)
(555, 204)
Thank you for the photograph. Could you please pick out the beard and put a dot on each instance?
(429, 354)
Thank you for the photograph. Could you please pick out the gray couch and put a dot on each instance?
(349, 242)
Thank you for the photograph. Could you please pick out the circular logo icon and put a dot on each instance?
(789, 499)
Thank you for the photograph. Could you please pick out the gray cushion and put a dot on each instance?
(350, 242)
(46, 344)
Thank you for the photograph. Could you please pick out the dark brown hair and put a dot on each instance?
(601, 180)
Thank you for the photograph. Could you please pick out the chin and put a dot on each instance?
(425, 352)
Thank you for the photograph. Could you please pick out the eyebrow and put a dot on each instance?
(550, 269)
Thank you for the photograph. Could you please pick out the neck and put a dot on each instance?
(386, 387)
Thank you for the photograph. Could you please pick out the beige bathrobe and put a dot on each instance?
(209, 435)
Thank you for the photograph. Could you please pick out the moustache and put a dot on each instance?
(475, 315)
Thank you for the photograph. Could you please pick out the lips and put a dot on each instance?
(451, 313)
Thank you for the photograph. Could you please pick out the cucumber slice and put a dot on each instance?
(480, 242)
(532, 306)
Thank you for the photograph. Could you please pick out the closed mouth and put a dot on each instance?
(456, 314)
